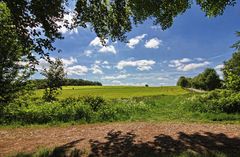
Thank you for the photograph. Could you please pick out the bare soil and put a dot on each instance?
(123, 139)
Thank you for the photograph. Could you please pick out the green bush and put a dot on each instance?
(84, 109)
(216, 101)
(94, 102)
(122, 109)
(44, 112)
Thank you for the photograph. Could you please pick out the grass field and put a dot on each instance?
(138, 104)
(170, 103)
(116, 91)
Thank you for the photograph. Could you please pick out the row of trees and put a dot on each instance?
(41, 83)
(209, 79)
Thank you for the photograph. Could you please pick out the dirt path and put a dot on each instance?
(123, 139)
(196, 90)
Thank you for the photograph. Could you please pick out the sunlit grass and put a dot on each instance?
(116, 91)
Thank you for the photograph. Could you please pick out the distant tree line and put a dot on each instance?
(207, 80)
(42, 83)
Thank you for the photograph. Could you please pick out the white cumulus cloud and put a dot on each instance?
(97, 42)
(193, 66)
(105, 62)
(87, 53)
(153, 43)
(184, 65)
(77, 70)
(185, 60)
(96, 69)
(139, 64)
(123, 76)
(134, 41)
(108, 49)
(218, 69)
(70, 61)
(103, 48)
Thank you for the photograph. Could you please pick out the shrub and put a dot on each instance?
(216, 101)
(44, 112)
(85, 109)
(94, 102)
(122, 109)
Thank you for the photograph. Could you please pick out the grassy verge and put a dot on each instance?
(163, 108)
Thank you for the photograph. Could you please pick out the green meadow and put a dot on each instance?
(93, 104)
(116, 91)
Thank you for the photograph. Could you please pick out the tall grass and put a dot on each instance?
(97, 109)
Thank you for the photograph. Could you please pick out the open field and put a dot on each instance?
(116, 91)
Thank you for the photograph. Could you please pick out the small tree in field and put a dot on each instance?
(55, 76)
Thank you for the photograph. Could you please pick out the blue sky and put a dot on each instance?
(151, 56)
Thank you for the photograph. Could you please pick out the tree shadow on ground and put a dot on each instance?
(119, 144)
(67, 149)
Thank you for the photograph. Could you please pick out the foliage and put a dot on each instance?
(212, 8)
(55, 76)
(217, 101)
(94, 102)
(84, 109)
(208, 80)
(231, 72)
(184, 82)
(13, 71)
(38, 21)
(76, 110)
(41, 83)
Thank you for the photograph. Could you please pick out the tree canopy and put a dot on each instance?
(231, 72)
(13, 73)
(207, 80)
(184, 82)
(38, 21)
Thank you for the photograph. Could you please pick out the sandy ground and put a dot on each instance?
(123, 139)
